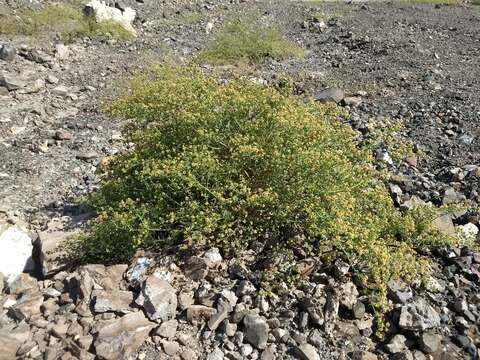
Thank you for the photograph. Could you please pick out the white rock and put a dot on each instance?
(209, 27)
(468, 231)
(62, 52)
(15, 252)
(103, 12)
(213, 257)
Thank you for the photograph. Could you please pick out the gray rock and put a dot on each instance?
(306, 352)
(332, 94)
(216, 354)
(11, 82)
(167, 329)
(27, 306)
(444, 224)
(418, 316)
(197, 313)
(358, 310)
(430, 342)
(256, 330)
(196, 268)
(223, 309)
(158, 298)
(171, 348)
(12, 337)
(122, 337)
(399, 292)
(22, 283)
(331, 311)
(268, 354)
(112, 300)
(7, 53)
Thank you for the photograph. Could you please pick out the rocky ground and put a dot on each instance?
(416, 63)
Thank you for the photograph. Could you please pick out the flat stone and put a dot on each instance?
(122, 337)
(22, 283)
(11, 82)
(112, 300)
(332, 94)
(170, 347)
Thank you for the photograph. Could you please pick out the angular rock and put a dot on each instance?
(27, 306)
(121, 338)
(418, 316)
(158, 298)
(12, 337)
(167, 329)
(430, 342)
(15, 252)
(112, 300)
(23, 283)
(256, 330)
(444, 224)
(306, 352)
(196, 268)
(197, 313)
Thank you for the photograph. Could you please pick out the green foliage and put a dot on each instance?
(66, 20)
(229, 165)
(245, 40)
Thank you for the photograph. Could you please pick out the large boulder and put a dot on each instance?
(15, 252)
(122, 337)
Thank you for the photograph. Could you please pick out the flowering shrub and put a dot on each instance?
(230, 165)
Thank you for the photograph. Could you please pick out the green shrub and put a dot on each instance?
(66, 20)
(245, 40)
(230, 165)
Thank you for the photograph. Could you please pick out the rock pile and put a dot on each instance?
(204, 307)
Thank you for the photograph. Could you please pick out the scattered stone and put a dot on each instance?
(11, 82)
(122, 336)
(418, 316)
(306, 352)
(158, 298)
(197, 313)
(196, 268)
(7, 53)
(397, 344)
(330, 95)
(256, 331)
(167, 329)
(113, 300)
(430, 342)
(170, 347)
